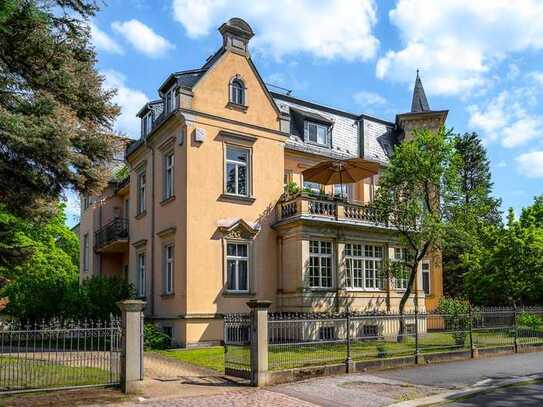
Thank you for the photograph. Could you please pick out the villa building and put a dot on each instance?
(203, 223)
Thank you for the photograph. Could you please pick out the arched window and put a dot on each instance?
(237, 92)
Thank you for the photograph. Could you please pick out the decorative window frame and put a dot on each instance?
(141, 203)
(239, 232)
(233, 104)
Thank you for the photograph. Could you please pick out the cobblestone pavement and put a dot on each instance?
(239, 398)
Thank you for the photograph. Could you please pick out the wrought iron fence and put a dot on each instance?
(301, 340)
(237, 343)
(59, 354)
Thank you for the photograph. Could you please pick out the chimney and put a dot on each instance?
(236, 34)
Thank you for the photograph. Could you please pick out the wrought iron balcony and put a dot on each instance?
(305, 207)
(112, 237)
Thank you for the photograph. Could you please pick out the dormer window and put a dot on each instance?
(316, 133)
(171, 103)
(237, 92)
(147, 123)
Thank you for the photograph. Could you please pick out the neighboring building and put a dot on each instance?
(200, 226)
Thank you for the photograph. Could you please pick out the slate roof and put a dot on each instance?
(419, 102)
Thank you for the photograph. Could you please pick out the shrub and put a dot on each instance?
(153, 338)
(530, 321)
(456, 315)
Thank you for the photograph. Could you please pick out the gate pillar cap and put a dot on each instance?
(131, 305)
(259, 304)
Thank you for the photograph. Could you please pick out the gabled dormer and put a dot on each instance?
(148, 115)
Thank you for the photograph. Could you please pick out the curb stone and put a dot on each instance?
(454, 395)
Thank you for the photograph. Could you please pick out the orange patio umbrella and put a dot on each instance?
(341, 171)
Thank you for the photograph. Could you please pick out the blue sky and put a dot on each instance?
(481, 60)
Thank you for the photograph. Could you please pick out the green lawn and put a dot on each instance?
(211, 357)
(19, 373)
(283, 357)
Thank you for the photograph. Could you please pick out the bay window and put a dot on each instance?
(364, 266)
(426, 277)
(401, 278)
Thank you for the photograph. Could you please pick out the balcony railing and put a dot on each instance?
(114, 231)
(306, 207)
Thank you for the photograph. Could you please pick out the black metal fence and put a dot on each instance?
(237, 342)
(59, 354)
(301, 340)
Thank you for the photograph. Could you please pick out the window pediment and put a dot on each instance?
(238, 229)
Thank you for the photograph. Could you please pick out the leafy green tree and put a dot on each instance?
(507, 267)
(470, 209)
(413, 192)
(55, 118)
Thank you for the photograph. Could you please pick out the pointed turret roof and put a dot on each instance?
(419, 103)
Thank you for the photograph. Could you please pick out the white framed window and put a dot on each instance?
(86, 202)
(140, 282)
(237, 92)
(86, 253)
(320, 264)
(373, 267)
(364, 266)
(171, 103)
(237, 170)
(237, 266)
(141, 192)
(168, 174)
(316, 133)
(168, 268)
(426, 277)
(401, 279)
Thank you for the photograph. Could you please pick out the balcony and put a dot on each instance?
(317, 209)
(112, 237)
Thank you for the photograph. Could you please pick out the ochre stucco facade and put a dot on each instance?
(200, 218)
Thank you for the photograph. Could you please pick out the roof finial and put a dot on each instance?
(419, 102)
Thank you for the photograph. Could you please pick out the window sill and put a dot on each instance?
(141, 215)
(364, 290)
(235, 106)
(238, 294)
(170, 295)
(166, 201)
(322, 289)
(237, 198)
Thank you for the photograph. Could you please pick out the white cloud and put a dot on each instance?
(130, 101)
(457, 43)
(365, 99)
(531, 164)
(325, 29)
(505, 117)
(72, 210)
(104, 42)
(143, 38)
(537, 77)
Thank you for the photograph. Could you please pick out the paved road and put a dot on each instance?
(527, 395)
(466, 373)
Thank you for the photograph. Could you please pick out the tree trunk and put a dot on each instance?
(402, 329)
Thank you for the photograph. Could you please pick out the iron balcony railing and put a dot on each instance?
(113, 231)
